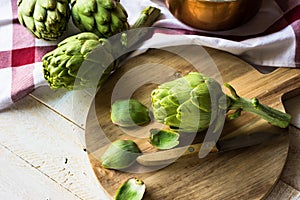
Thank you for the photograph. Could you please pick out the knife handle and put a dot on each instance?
(195, 148)
(169, 156)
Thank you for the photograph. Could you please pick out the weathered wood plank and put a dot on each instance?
(292, 107)
(73, 105)
(51, 144)
(282, 191)
(291, 171)
(19, 180)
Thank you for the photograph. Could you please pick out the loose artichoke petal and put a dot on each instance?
(128, 113)
(163, 139)
(120, 154)
(132, 189)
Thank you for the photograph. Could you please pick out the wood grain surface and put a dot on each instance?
(248, 173)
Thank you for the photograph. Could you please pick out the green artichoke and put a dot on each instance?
(62, 64)
(191, 104)
(46, 19)
(62, 67)
(102, 17)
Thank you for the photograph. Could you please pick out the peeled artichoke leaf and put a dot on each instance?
(120, 154)
(163, 139)
(132, 189)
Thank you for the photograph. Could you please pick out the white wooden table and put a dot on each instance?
(42, 150)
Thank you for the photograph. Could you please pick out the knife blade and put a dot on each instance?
(169, 156)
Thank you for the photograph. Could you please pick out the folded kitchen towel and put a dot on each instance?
(271, 38)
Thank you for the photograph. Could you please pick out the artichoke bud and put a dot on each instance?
(129, 113)
(132, 189)
(46, 19)
(188, 104)
(163, 139)
(66, 60)
(102, 17)
(120, 154)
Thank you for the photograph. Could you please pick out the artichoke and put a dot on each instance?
(62, 64)
(46, 19)
(63, 67)
(192, 103)
(102, 17)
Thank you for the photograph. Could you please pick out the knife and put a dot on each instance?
(169, 156)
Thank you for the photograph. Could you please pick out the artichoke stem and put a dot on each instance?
(147, 17)
(131, 40)
(273, 116)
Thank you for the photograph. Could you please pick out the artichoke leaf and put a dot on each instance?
(120, 154)
(163, 139)
(129, 113)
(132, 189)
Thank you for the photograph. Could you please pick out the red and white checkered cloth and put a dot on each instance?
(271, 38)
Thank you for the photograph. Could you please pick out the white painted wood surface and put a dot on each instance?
(51, 145)
(20, 180)
(42, 157)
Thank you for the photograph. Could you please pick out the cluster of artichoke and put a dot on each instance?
(98, 20)
(48, 19)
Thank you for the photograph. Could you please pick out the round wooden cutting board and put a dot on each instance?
(248, 173)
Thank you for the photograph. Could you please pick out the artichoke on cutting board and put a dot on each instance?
(46, 19)
(191, 104)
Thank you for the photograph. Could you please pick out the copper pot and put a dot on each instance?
(214, 15)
